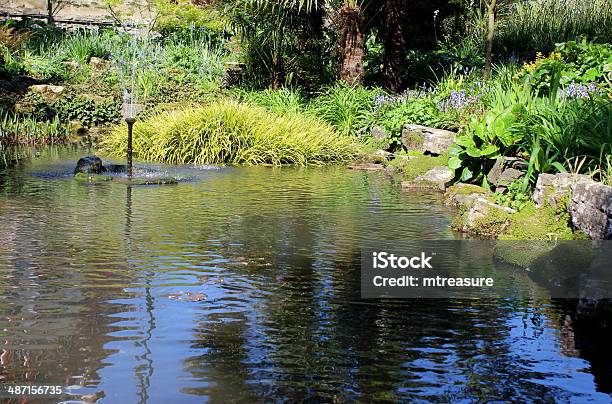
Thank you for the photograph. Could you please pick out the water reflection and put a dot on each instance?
(99, 283)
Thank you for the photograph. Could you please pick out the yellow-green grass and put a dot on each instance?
(229, 132)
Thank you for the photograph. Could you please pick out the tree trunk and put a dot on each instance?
(491, 32)
(394, 43)
(351, 44)
(49, 12)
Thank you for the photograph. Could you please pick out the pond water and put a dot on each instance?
(242, 284)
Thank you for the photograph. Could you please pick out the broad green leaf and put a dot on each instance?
(454, 163)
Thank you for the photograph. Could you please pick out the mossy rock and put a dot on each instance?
(92, 178)
(417, 164)
(545, 223)
(455, 195)
(482, 217)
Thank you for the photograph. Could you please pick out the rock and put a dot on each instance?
(367, 167)
(555, 189)
(506, 170)
(508, 176)
(591, 209)
(384, 154)
(49, 92)
(378, 133)
(72, 65)
(436, 178)
(89, 165)
(483, 217)
(427, 140)
(98, 63)
(461, 194)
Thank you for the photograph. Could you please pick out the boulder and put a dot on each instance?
(89, 165)
(436, 179)
(98, 63)
(461, 194)
(49, 92)
(555, 189)
(427, 140)
(506, 170)
(483, 217)
(591, 209)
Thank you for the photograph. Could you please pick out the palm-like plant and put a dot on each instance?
(271, 23)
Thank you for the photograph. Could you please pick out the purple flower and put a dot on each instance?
(578, 91)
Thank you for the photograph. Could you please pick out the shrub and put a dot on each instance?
(182, 19)
(345, 108)
(233, 133)
(281, 101)
(82, 45)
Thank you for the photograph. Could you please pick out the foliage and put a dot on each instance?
(87, 109)
(486, 139)
(282, 101)
(528, 27)
(281, 42)
(580, 66)
(517, 197)
(233, 133)
(345, 108)
(541, 114)
(184, 19)
(12, 38)
(10, 64)
(18, 129)
(82, 45)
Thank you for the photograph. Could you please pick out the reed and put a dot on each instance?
(229, 132)
(24, 130)
(527, 27)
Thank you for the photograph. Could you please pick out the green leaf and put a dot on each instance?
(466, 174)
(491, 151)
(454, 163)
(559, 167)
(473, 152)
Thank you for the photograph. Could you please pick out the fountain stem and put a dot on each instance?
(130, 124)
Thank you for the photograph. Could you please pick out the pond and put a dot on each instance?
(242, 284)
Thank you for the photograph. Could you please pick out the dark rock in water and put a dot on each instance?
(89, 165)
(116, 168)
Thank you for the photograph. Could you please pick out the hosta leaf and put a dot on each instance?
(454, 163)
(466, 174)
(473, 152)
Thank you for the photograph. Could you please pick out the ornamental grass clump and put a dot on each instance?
(229, 132)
